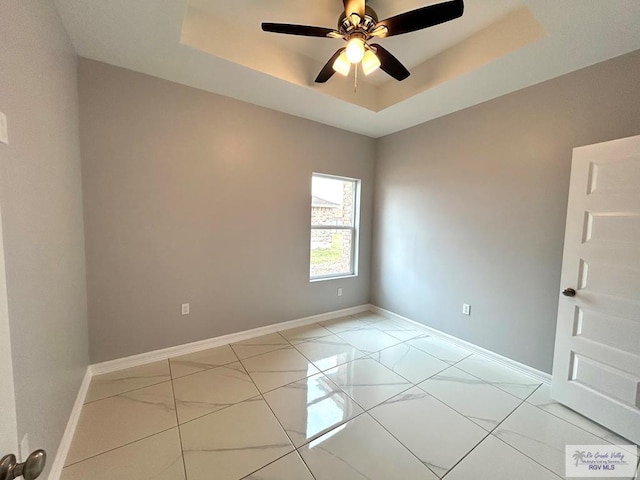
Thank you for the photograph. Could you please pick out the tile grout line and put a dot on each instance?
(366, 356)
(397, 439)
(246, 399)
(175, 404)
(171, 379)
(370, 356)
(127, 392)
(399, 342)
(313, 476)
(527, 456)
(320, 372)
(407, 379)
(493, 383)
(578, 426)
(133, 441)
(458, 412)
(281, 426)
(331, 367)
(573, 424)
(120, 446)
(485, 383)
(447, 405)
(513, 446)
(297, 450)
(207, 368)
(226, 405)
(490, 432)
(465, 455)
(411, 383)
(364, 411)
(288, 344)
(449, 365)
(216, 411)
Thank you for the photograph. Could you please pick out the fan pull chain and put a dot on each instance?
(355, 82)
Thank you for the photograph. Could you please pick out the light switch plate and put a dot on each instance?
(4, 134)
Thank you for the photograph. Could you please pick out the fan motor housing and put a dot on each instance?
(369, 21)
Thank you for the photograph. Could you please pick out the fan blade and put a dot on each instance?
(423, 17)
(303, 30)
(391, 64)
(354, 6)
(327, 71)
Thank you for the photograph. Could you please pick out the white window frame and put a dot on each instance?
(354, 228)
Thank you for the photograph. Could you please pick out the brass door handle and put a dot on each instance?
(31, 469)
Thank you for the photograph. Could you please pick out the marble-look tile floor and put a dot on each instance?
(361, 397)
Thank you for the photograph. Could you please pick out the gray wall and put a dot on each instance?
(470, 208)
(42, 224)
(195, 198)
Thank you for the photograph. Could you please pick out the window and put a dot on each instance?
(334, 220)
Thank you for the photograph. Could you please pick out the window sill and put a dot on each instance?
(337, 277)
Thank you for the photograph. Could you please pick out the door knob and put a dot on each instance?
(569, 292)
(29, 470)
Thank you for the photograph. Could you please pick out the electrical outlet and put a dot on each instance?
(466, 309)
(185, 309)
(340, 292)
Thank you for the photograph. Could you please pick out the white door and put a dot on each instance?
(8, 429)
(596, 369)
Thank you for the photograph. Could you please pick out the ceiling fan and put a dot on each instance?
(359, 24)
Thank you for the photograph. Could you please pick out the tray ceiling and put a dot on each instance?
(497, 47)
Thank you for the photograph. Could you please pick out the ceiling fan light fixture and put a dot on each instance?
(342, 64)
(355, 50)
(370, 62)
(358, 23)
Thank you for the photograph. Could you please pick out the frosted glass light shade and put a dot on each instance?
(342, 64)
(370, 62)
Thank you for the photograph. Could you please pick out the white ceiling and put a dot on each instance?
(218, 46)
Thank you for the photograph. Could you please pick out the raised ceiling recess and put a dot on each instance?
(297, 60)
(495, 47)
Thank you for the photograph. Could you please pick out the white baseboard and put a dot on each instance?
(70, 430)
(526, 369)
(165, 353)
(149, 357)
